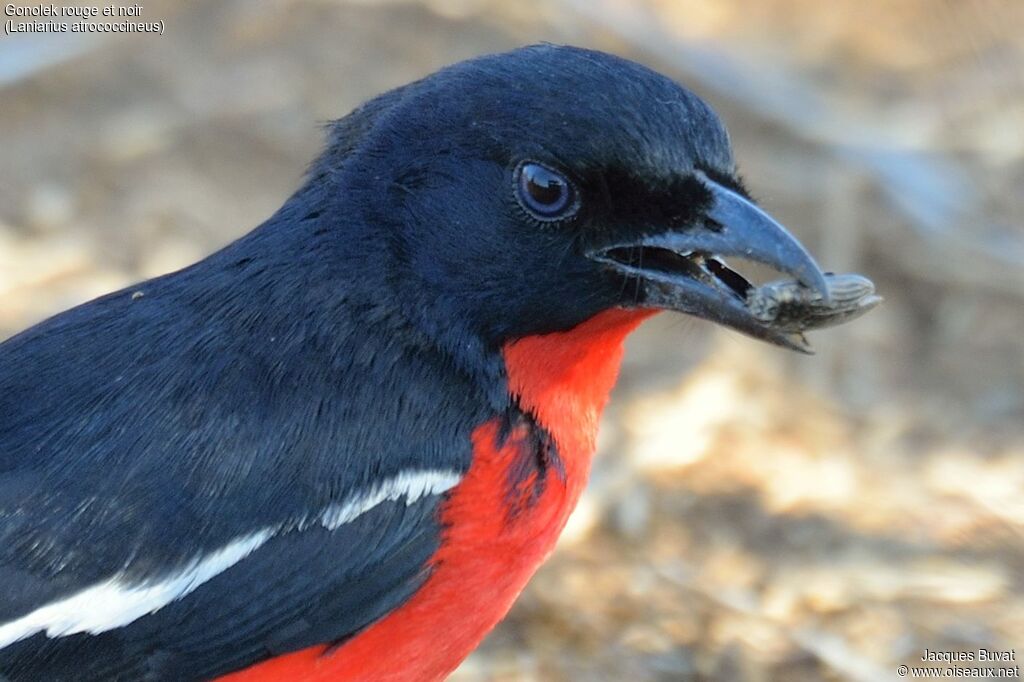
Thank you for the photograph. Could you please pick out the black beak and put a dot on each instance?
(684, 270)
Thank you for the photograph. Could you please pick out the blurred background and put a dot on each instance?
(754, 515)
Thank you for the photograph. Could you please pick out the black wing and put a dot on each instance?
(156, 425)
(300, 589)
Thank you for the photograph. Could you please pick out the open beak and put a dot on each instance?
(685, 270)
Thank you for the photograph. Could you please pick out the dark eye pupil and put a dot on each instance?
(544, 186)
(544, 192)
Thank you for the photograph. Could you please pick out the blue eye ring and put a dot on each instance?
(545, 193)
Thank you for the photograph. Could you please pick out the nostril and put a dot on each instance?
(713, 225)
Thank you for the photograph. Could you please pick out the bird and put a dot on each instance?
(339, 447)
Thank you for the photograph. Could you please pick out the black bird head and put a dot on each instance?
(522, 193)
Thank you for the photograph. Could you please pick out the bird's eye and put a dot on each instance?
(545, 193)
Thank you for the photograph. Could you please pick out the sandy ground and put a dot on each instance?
(754, 515)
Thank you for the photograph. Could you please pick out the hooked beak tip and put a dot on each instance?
(763, 238)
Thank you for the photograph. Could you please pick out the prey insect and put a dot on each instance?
(788, 306)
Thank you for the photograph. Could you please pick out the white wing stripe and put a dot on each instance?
(114, 603)
(117, 602)
(410, 485)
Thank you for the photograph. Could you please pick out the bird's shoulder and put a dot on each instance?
(166, 420)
